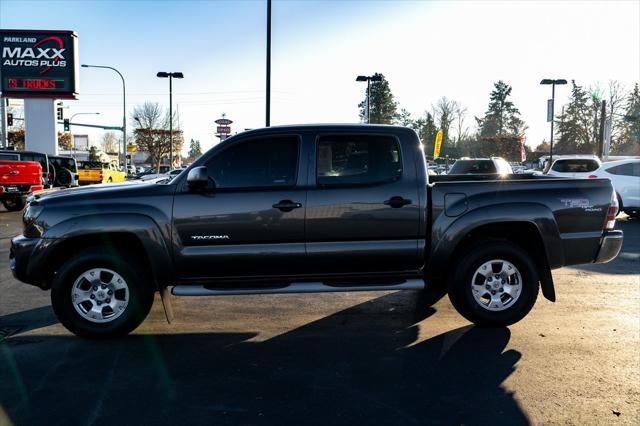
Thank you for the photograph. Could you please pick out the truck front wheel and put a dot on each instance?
(495, 284)
(14, 204)
(100, 296)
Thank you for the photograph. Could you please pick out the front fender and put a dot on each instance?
(142, 227)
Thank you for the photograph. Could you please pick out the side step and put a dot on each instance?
(298, 287)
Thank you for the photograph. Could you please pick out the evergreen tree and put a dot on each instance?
(194, 149)
(427, 133)
(404, 119)
(629, 141)
(574, 126)
(501, 117)
(384, 109)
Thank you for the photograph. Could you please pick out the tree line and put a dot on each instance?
(500, 131)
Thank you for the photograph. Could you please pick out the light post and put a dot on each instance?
(171, 76)
(369, 79)
(124, 110)
(553, 83)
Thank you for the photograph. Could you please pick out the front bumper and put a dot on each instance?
(610, 246)
(20, 253)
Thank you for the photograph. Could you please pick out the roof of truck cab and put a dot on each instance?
(325, 127)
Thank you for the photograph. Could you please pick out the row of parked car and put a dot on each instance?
(23, 172)
(624, 173)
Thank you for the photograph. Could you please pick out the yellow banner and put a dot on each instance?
(438, 144)
(131, 148)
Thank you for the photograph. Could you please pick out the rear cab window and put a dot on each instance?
(575, 166)
(353, 160)
(465, 167)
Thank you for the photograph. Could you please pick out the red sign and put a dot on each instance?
(224, 130)
(223, 122)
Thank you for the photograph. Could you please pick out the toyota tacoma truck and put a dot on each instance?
(306, 209)
(18, 179)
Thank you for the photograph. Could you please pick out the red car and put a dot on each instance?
(18, 179)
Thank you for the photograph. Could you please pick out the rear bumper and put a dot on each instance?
(610, 247)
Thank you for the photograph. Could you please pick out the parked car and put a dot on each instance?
(152, 171)
(18, 179)
(150, 176)
(625, 176)
(574, 167)
(66, 171)
(92, 172)
(48, 172)
(491, 166)
(303, 209)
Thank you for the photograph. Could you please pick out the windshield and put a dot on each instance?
(465, 167)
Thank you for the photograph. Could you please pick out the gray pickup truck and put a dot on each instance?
(304, 209)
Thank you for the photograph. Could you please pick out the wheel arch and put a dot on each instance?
(134, 234)
(531, 226)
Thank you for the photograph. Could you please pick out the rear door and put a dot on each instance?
(252, 222)
(363, 211)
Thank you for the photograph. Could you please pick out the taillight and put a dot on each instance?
(593, 177)
(612, 212)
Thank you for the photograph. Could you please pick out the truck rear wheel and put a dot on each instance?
(100, 296)
(496, 284)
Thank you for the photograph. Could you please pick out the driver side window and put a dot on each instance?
(258, 163)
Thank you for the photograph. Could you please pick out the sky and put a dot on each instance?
(426, 49)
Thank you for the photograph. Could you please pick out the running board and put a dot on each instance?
(298, 287)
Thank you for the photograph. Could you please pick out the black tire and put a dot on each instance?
(63, 177)
(141, 295)
(460, 289)
(14, 204)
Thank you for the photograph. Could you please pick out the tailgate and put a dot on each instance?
(90, 175)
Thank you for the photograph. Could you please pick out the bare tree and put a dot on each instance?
(110, 143)
(443, 112)
(152, 134)
(459, 116)
(615, 104)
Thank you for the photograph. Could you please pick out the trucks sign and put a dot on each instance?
(38, 64)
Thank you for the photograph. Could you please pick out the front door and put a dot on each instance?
(252, 222)
(363, 213)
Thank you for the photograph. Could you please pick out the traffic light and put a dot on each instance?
(66, 124)
(9, 119)
(60, 111)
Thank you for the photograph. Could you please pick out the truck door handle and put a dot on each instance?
(397, 202)
(286, 205)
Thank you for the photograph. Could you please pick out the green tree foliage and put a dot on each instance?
(501, 129)
(384, 108)
(194, 149)
(93, 153)
(574, 127)
(629, 141)
(502, 117)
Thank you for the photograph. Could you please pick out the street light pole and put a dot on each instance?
(124, 110)
(171, 76)
(553, 83)
(369, 79)
(268, 86)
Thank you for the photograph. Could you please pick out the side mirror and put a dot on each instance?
(198, 178)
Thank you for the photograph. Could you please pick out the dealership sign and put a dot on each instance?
(38, 64)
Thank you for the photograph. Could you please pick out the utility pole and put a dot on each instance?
(603, 112)
(4, 142)
(268, 88)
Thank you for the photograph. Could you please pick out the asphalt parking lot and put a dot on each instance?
(359, 358)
